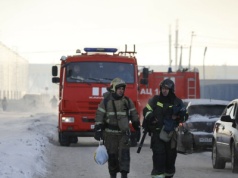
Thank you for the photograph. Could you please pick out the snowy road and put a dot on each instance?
(77, 161)
(32, 150)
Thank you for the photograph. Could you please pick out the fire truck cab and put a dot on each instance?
(83, 79)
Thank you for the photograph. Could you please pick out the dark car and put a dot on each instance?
(196, 133)
(225, 138)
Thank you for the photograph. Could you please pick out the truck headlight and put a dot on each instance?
(68, 119)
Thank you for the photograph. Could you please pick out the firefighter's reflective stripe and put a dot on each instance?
(169, 174)
(101, 109)
(118, 113)
(133, 109)
(150, 110)
(148, 113)
(160, 104)
(98, 123)
(158, 176)
(112, 131)
(148, 107)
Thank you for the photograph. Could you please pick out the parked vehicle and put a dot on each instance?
(225, 138)
(196, 132)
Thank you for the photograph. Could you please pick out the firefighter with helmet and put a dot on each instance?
(162, 115)
(112, 125)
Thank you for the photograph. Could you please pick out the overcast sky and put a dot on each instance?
(44, 30)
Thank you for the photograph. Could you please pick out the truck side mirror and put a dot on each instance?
(144, 81)
(54, 71)
(145, 72)
(55, 80)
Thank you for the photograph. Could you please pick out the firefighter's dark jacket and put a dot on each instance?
(116, 119)
(159, 110)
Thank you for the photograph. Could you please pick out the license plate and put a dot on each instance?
(92, 126)
(205, 139)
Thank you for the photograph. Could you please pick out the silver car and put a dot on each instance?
(225, 140)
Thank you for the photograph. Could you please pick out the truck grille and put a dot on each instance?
(93, 105)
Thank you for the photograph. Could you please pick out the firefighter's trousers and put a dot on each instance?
(164, 155)
(118, 152)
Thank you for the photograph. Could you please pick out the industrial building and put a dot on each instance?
(13, 74)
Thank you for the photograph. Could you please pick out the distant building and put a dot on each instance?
(13, 74)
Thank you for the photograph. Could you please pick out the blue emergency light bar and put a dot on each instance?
(105, 50)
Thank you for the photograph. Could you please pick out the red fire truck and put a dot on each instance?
(82, 79)
(187, 83)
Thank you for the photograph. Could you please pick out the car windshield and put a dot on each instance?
(99, 72)
(206, 110)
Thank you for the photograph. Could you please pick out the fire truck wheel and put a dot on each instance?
(63, 140)
(74, 139)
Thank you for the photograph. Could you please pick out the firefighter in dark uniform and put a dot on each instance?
(162, 115)
(112, 125)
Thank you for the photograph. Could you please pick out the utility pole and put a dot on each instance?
(170, 60)
(180, 68)
(190, 51)
(176, 44)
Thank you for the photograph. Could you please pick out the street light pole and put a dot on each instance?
(205, 50)
(190, 51)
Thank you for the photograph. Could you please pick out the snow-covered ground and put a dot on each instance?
(24, 140)
(29, 149)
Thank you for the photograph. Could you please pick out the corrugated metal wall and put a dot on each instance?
(219, 89)
(13, 74)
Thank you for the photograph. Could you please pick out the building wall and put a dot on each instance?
(219, 89)
(13, 74)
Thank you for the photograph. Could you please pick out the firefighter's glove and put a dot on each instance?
(98, 132)
(183, 114)
(127, 137)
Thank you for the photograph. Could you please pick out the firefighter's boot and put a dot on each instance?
(113, 175)
(123, 174)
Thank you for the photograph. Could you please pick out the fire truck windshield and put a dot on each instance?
(99, 72)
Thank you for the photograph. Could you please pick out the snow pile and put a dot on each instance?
(23, 143)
